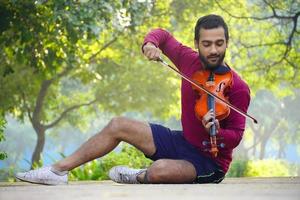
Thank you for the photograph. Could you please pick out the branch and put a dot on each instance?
(278, 124)
(275, 15)
(262, 45)
(272, 8)
(292, 64)
(118, 33)
(114, 39)
(42, 94)
(295, 19)
(283, 57)
(294, 79)
(289, 40)
(46, 84)
(65, 112)
(63, 73)
(252, 17)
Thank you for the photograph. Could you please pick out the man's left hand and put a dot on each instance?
(207, 121)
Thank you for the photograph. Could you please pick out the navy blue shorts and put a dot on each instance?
(172, 145)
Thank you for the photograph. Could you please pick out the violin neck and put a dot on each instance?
(211, 104)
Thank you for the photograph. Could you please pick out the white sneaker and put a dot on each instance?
(124, 174)
(44, 175)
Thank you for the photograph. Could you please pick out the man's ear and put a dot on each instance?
(196, 44)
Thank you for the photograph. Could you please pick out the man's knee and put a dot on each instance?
(157, 172)
(117, 126)
(171, 171)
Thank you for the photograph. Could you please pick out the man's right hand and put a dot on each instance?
(151, 51)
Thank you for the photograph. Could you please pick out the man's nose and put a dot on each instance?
(213, 49)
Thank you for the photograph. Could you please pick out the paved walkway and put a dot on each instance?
(229, 189)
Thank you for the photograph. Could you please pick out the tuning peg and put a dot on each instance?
(205, 143)
(222, 145)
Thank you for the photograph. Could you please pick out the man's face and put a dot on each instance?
(211, 47)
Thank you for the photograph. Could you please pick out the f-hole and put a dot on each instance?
(220, 87)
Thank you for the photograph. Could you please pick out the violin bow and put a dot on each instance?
(194, 83)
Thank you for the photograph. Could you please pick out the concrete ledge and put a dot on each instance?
(231, 188)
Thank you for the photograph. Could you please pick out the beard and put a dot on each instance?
(212, 66)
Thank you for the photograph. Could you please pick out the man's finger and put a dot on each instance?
(217, 124)
(208, 125)
(157, 54)
(209, 113)
(147, 53)
(207, 118)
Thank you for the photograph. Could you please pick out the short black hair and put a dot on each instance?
(210, 22)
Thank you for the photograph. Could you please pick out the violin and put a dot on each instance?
(212, 96)
(218, 84)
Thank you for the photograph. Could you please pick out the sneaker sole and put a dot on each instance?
(50, 183)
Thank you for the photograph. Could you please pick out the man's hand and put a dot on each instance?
(207, 121)
(151, 51)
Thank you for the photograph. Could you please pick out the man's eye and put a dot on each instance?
(220, 43)
(206, 44)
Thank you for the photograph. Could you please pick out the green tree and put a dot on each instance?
(61, 56)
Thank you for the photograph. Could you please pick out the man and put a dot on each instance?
(179, 156)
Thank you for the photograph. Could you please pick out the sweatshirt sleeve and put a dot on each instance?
(170, 47)
(232, 131)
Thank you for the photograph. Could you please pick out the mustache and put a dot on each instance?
(213, 56)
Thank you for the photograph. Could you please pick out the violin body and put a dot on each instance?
(218, 86)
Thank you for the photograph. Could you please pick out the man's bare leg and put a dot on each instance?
(169, 171)
(119, 129)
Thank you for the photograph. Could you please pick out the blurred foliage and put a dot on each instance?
(267, 168)
(275, 133)
(8, 174)
(262, 168)
(3, 155)
(98, 169)
(237, 168)
(38, 164)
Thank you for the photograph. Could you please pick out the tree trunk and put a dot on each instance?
(256, 139)
(263, 148)
(36, 156)
(254, 145)
(281, 150)
(243, 152)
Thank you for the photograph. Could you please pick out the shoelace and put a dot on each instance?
(127, 178)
